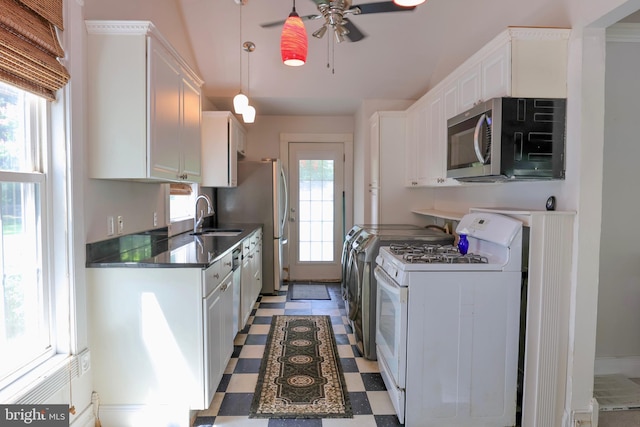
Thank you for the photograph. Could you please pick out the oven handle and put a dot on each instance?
(386, 281)
(476, 138)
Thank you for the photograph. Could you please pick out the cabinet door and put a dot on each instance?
(424, 150)
(469, 85)
(191, 167)
(439, 103)
(165, 85)
(374, 152)
(246, 280)
(375, 205)
(450, 98)
(256, 268)
(411, 160)
(213, 333)
(242, 142)
(496, 78)
(236, 137)
(228, 333)
(437, 141)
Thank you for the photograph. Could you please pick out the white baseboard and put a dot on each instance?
(143, 415)
(628, 366)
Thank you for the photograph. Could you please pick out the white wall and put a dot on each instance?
(619, 294)
(263, 136)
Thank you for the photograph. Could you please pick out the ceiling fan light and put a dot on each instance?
(339, 35)
(319, 33)
(240, 103)
(249, 114)
(408, 3)
(293, 41)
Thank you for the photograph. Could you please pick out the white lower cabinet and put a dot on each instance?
(161, 338)
(218, 333)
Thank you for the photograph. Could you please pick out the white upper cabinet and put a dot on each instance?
(144, 106)
(223, 137)
(519, 62)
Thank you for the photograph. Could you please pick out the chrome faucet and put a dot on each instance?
(197, 220)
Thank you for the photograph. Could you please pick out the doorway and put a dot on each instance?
(319, 207)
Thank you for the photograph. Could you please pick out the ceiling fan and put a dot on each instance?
(335, 13)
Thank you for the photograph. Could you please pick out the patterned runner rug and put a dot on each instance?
(300, 374)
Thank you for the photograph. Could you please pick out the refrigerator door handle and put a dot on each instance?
(286, 204)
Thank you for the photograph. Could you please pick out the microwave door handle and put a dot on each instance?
(476, 139)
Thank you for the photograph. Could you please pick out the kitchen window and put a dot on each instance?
(26, 293)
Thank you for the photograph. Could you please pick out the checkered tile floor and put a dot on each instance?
(368, 395)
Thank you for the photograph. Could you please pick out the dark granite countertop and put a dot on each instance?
(154, 249)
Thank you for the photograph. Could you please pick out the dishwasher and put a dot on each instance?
(237, 273)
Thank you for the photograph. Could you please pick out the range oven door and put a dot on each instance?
(391, 337)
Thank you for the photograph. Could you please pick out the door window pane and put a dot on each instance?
(316, 209)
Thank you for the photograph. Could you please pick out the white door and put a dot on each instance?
(316, 216)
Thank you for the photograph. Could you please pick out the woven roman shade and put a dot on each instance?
(180, 189)
(29, 46)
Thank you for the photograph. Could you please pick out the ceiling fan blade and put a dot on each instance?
(355, 34)
(385, 6)
(281, 22)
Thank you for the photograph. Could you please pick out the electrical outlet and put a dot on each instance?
(155, 219)
(120, 224)
(111, 226)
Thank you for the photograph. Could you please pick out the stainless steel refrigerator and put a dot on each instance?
(260, 197)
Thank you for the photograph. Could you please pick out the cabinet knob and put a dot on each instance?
(217, 276)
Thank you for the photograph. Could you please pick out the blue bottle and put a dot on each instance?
(463, 244)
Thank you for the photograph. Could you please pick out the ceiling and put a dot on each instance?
(403, 55)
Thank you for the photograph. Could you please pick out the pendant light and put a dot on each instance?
(249, 112)
(408, 3)
(293, 41)
(240, 101)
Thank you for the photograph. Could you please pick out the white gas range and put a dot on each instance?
(448, 325)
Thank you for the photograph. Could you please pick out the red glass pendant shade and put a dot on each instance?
(293, 42)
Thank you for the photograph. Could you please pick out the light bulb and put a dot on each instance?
(249, 114)
(240, 103)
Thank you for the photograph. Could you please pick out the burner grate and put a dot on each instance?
(435, 254)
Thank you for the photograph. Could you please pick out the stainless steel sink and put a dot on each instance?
(221, 232)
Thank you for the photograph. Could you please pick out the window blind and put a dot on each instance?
(180, 189)
(29, 46)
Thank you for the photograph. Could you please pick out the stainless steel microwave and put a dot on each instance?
(508, 139)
